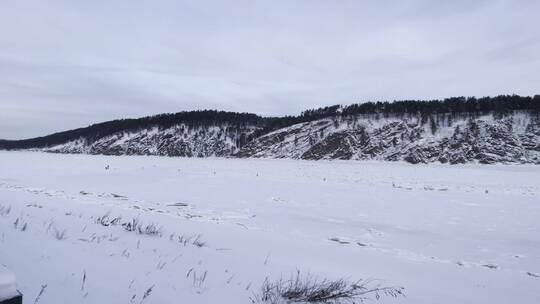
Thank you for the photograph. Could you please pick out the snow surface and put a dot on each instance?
(447, 234)
(8, 288)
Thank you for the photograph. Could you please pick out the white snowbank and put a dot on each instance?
(8, 288)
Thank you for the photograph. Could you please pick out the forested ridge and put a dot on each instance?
(500, 105)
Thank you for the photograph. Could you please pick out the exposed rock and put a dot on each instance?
(176, 141)
(482, 139)
(485, 139)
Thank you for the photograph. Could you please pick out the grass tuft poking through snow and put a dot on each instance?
(309, 289)
(106, 220)
(135, 225)
(60, 234)
(5, 210)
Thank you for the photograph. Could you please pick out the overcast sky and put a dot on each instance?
(66, 64)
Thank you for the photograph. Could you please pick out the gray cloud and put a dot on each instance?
(65, 64)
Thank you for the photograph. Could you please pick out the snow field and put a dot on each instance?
(220, 227)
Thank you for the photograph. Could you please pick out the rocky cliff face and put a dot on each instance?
(485, 139)
(447, 139)
(179, 140)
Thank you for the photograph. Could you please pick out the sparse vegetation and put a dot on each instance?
(309, 289)
(135, 225)
(106, 220)
(60, 234)
(5, 210)
(147, 293)
(132, 225)
(150, 229)
(41, 292)
(193, 240)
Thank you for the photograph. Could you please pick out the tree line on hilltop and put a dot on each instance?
(499, 105)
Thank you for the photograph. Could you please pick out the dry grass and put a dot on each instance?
(308, 289)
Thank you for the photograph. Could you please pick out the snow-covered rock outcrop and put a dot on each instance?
(511, 139)
(445, 138)
(179, 140)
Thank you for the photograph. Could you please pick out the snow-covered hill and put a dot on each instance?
(444, 138)
(179, 140)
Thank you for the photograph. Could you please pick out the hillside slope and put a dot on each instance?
(179, 140)
(501, 129)
(514, 138)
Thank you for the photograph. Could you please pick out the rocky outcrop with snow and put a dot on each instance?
(485, 139)
(180, 140)
(443, 138)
